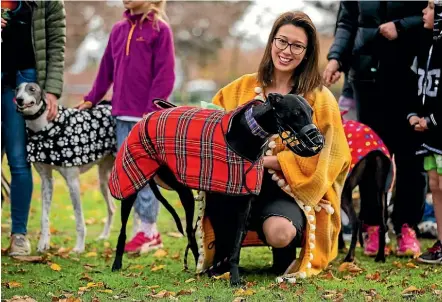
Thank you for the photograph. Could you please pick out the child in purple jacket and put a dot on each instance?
(139, 62)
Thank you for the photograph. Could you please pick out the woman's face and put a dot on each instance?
(130, 4)
(289, 48)
(429, 15)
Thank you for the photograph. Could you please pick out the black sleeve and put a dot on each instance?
(347, 25)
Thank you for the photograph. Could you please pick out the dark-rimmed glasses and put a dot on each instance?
(295, 48)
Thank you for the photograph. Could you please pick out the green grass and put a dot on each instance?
(137, 282)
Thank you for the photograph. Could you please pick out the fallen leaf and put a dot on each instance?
(157, 267)
(160, 253)
(106, 244)
(411, 265)
(225, 276)
(86, 277)
(397, 264)
(32, 259)
(375, 277)
(55, 267)
(408, 290)
(329, 276)
(90, 221)
(12, 284)
(53, 230)
(175, 256)
(437, 292)
(189, 280)
(433, 286)
(175, 234)
(239, 299)
(20, 299)
(184, 292)
(162, 294)
(242, 292)
(283, 286)
(153, 286)
(349, 267)
(93, 284)
(107, 291)
(95, 299)
(91, 254)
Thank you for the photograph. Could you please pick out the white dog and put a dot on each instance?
(71, 144)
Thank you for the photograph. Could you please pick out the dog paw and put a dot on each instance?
(116, 266)
(78, 250)
(43, 246)
(103, 237)
(380, 259)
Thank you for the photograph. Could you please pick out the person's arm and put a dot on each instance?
(413, 22)
(163, 66)
(347, 25)
(104, 78)
(55, 46)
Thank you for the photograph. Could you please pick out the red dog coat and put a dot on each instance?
(191, 142)
(362, 140)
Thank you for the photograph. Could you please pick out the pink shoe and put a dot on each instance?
(141, 243)
(371, 242)
(408, 245)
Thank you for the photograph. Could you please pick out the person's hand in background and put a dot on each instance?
(331, 73)
(84, 105)
(388, 30)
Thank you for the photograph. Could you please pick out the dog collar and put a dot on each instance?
(37, 114)
(254, 126)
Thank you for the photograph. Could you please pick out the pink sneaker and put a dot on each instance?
(408, 245)
(142, 244)
(371, 242)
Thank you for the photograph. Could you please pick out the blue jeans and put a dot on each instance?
(146, 205)
(14, 142)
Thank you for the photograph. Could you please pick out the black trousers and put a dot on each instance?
(381, 105)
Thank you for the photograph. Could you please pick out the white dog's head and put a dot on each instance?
(30, 100)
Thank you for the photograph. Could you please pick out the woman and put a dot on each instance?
(290, 65)
(33, 44)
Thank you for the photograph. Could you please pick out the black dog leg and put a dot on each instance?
(166, 204)
(126, 206)
(347, 205)
(241, 219)
(341, 242)
(188, 202)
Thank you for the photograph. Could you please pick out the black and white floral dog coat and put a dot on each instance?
(74, 138)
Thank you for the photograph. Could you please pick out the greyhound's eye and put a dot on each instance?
(32, 89)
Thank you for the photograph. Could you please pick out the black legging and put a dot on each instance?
(380, 105)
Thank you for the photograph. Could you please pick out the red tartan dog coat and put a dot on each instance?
(191, 142)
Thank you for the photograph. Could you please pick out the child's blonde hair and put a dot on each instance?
(158, 9)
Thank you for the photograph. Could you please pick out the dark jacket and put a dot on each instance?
(427, 66)
(359, 46)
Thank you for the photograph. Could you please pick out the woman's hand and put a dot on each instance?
(271, 162)
(4, 23)
(52, 103)
(84, 105)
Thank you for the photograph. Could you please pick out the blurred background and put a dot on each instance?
(215, 41)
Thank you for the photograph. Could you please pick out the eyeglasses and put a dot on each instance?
(295, 48)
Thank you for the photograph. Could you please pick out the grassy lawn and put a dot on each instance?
(87, 277)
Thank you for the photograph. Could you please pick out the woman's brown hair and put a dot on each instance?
(306, 76)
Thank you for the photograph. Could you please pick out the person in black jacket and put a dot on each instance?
(375, 42)
(426, 114)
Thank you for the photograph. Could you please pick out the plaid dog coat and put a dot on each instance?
(191, 142)
(362, 140)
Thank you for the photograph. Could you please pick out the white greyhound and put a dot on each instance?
(69, 161)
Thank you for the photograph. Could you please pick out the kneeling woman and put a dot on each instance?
(299, 204)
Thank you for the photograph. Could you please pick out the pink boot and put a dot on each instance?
(408, 245)
(371, 242)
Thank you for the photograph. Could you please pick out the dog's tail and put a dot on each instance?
(126, 206)
(167, 205)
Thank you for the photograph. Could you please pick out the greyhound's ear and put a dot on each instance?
(274, 98)
(162, 104)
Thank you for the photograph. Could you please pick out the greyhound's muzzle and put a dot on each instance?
(306, 143)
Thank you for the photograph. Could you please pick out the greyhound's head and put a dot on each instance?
(30, 100)
(290, 116)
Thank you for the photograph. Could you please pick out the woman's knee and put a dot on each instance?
(279, 231)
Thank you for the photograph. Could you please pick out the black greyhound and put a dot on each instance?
(376, 168)
(290, 116)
